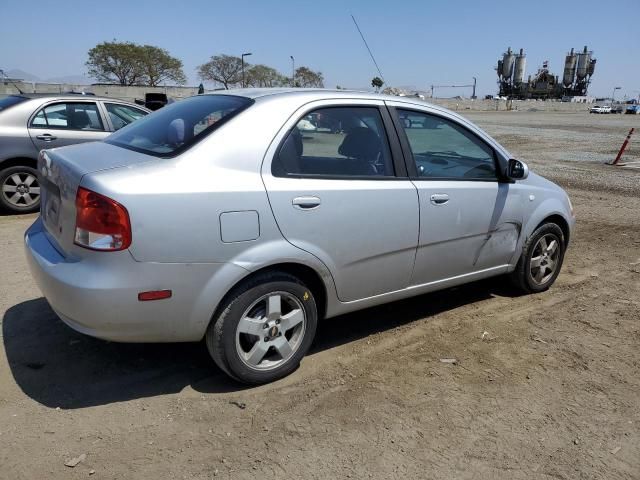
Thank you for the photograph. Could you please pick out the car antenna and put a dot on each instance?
(367, 45)
(12, 82)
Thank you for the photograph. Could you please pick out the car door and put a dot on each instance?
(65, 123)
(470, 220)
(338, 189)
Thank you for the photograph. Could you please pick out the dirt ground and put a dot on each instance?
(550, 391)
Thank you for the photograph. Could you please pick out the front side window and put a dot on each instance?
(123, 115)
(176, 127)
(336, 142)
(443, 149)
(69, 116)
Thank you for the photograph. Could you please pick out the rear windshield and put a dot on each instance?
(10, 101)
(174, 128)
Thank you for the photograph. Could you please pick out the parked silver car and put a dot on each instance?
(31, 122)
(218, 218)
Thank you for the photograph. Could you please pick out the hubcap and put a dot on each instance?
(270, 331)
(21, 189)
(544, 259)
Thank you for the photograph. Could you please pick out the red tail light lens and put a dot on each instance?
(101, 223)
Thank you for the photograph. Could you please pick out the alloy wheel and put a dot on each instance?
(21, 189)
(270, 331)
(544, 260)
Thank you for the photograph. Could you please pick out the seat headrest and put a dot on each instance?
(79, 119)
(362, 143)
(176, 132)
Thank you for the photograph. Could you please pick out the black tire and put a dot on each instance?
(6, 181)
(522, 277)
(221, 333)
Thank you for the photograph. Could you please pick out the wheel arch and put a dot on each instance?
(561, 222)
(310, 277)
(19, 162)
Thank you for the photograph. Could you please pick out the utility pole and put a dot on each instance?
(293, 71)
(242, 57)
(473, 95)
(613, 94)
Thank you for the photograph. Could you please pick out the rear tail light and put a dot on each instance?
(101, 223)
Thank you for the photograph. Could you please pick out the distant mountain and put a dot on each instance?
(29, 77)
(21, 74)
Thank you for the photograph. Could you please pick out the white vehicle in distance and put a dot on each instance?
(600, 109)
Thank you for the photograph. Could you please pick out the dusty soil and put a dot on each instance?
(551, 390)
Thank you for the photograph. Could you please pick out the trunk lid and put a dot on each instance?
(60, 172)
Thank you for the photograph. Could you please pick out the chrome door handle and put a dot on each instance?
(47, 137)
(439, 198)
(306, 203)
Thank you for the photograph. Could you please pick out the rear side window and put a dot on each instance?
(69, 116)
(123, 115)
(10, 101)
(176, 127)
(336, 142)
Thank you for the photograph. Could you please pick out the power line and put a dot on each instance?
(367, 45)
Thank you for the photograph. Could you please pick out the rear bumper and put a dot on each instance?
(98, 294)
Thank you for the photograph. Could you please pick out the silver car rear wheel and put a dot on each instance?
(19, 189)
(270, 331)
(263, 328)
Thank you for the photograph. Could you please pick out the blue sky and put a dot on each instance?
(416, 43)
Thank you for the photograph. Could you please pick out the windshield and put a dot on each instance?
(10, 101)
(174, 128)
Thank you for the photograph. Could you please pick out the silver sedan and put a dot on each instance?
(246, 217)
(31, 122)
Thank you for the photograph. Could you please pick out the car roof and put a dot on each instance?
(69, 96)
(316, 93)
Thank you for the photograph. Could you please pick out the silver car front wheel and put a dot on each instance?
(541, 259)
(544, 260)
(263, 328)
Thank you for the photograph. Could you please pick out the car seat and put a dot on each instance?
(78, 120)
(364, 147)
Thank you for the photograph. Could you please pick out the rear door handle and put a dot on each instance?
(306, 203)
(47, 137)
(439, 198)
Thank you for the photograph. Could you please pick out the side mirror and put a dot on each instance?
(517, 170)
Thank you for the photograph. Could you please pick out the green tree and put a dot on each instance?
(129, 64)
(377, 82)
(116, 62)
(264, 76)
(158, 66)
(305, 77)
(224, 69)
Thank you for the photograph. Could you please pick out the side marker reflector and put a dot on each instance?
(154, 295)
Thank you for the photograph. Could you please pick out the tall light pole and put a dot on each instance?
(613, 94)
(473, 95)
(293, 71)
(242, 57)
